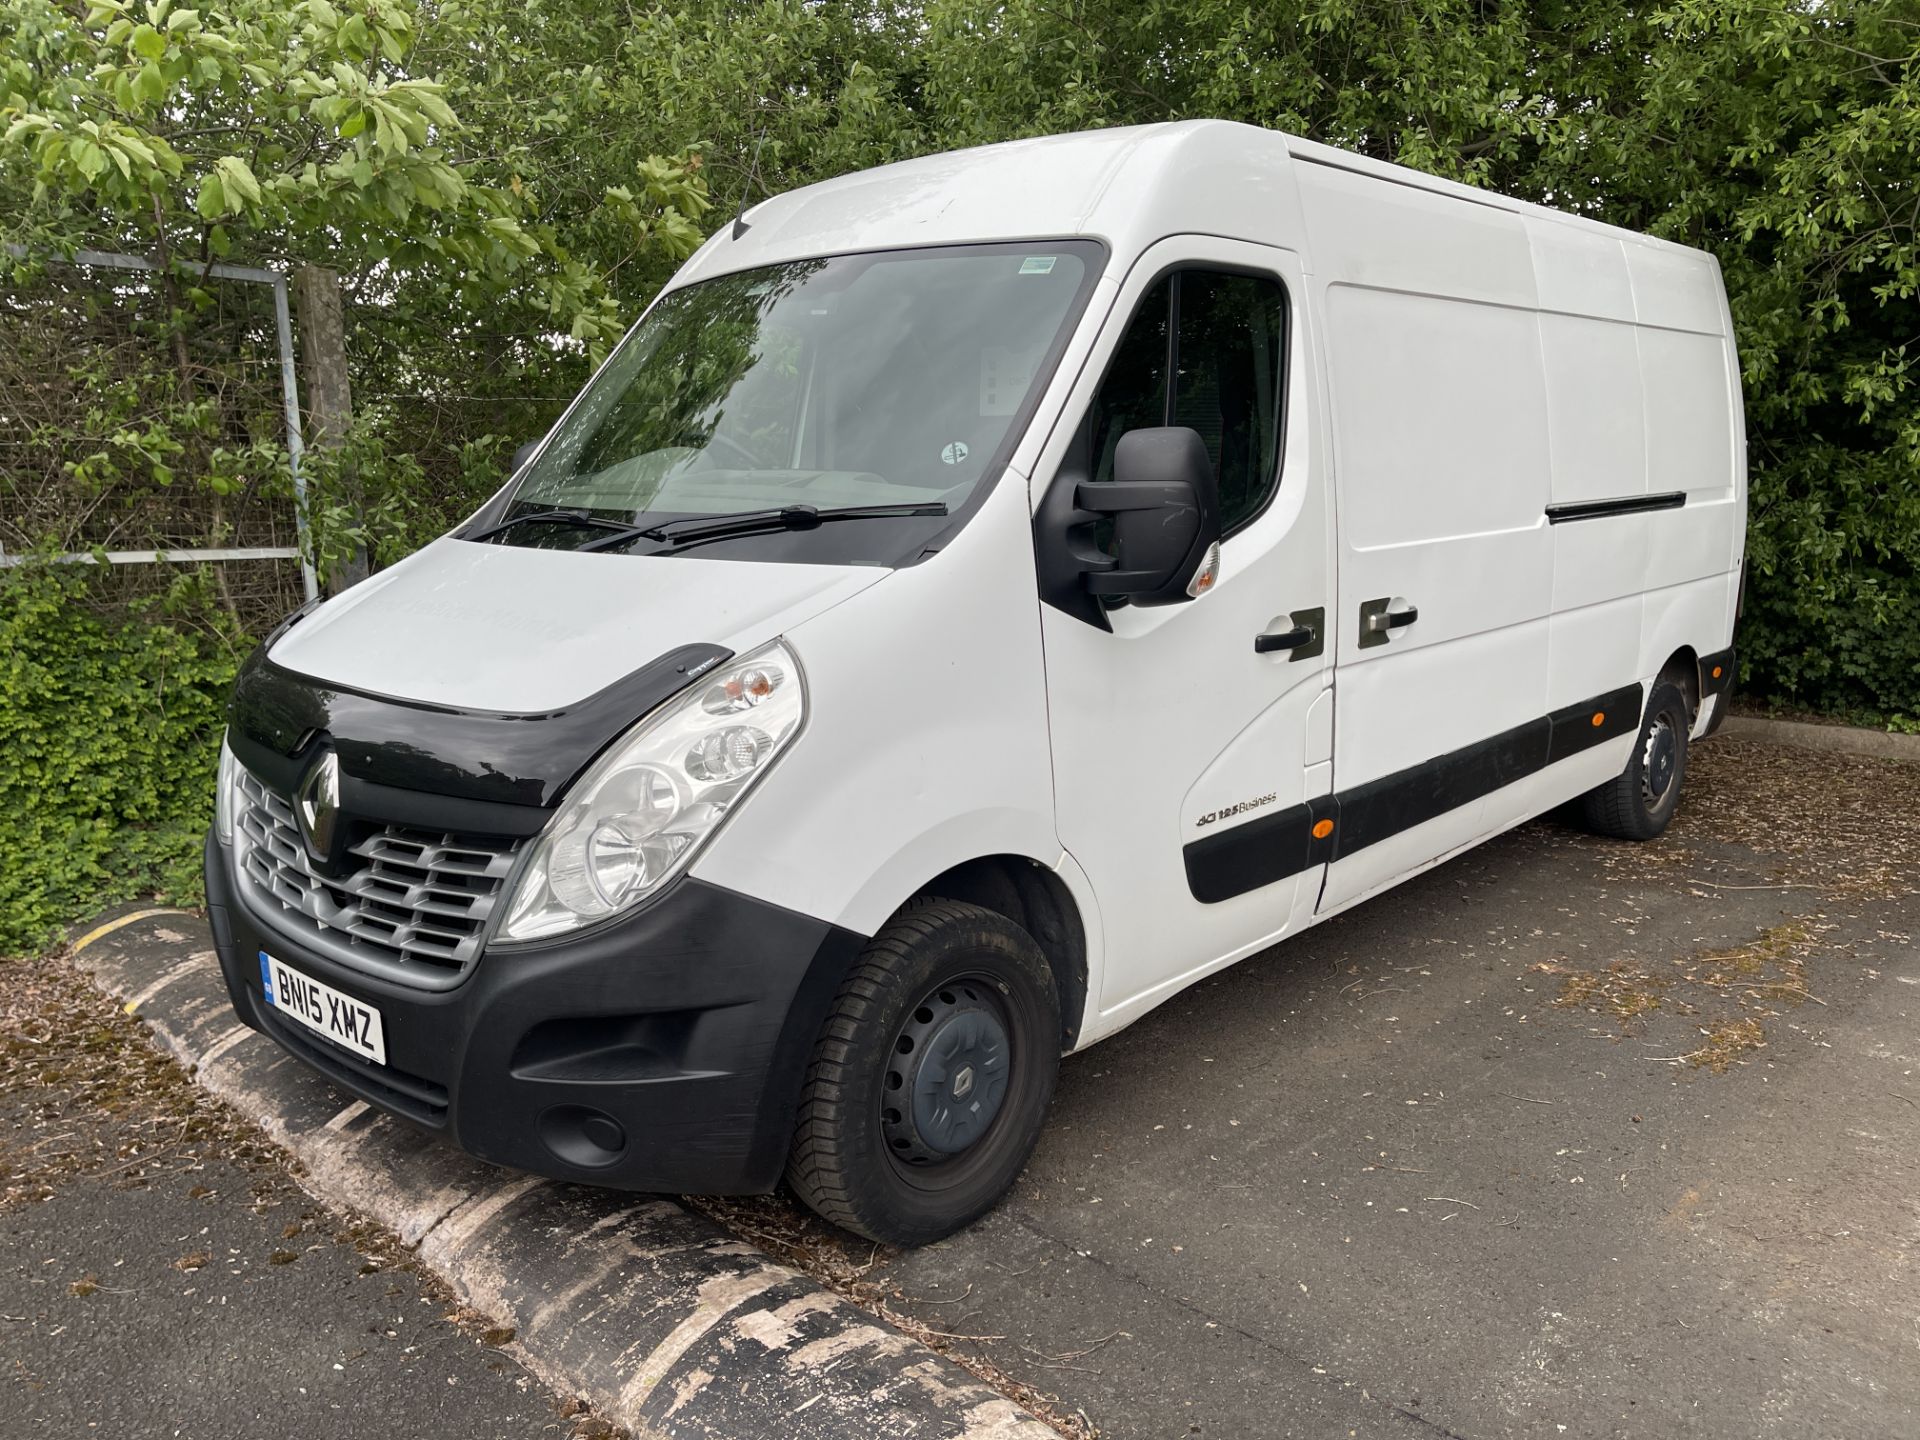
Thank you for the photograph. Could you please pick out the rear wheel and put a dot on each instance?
(1638, 803)
(931, 1076)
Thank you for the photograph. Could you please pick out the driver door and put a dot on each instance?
(1187, 757)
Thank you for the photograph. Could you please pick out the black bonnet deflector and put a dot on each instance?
(482, 757)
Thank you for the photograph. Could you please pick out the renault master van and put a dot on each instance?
(981, 597)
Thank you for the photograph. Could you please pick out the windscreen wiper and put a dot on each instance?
(550, 517)
(697, 528)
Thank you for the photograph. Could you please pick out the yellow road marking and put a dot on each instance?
(112, 925)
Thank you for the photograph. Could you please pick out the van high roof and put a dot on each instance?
(1126, 185)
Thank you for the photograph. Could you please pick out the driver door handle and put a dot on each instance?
(1282, 640)
(1304, 638)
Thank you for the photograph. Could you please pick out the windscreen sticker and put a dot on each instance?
(954, 453)
(1005, 376)
(1038, 265)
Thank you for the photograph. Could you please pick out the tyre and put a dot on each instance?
(1638, 803)
(930, 1079)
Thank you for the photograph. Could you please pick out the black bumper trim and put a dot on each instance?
(421, 1101)
(1717, 673)
(688, 1023)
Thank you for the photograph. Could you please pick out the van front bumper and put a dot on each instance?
(664, 1052)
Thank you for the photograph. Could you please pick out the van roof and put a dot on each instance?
(1128, 186)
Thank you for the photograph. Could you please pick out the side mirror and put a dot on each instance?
(521, 456)
(1166, 516)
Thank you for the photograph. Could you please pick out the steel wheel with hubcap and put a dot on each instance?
(931, 1076)
(947, 1075)
(1640, 801)
(1659, 761)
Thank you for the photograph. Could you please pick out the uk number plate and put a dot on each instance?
(322, 1009)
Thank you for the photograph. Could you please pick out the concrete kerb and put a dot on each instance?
(1834, 739)
(665, 1322)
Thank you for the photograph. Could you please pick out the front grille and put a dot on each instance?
(414, 907)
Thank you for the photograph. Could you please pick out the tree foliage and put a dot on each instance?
(431, 157)
(310, 132)
(105, 725)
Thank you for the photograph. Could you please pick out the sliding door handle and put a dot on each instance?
(1383, 620)
(1377, 619)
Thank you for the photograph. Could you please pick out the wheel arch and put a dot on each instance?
(1036, 899)
(1682, 667)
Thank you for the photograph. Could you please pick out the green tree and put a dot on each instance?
(302, 132)
(275, 134)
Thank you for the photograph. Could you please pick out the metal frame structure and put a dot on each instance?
(290, 399)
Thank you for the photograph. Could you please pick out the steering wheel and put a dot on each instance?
(754, 462)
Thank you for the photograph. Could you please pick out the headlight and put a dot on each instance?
(226, 793)
(637, 816)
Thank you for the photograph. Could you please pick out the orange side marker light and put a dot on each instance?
(1322, 829)
(1599, 717)
(1716, 672)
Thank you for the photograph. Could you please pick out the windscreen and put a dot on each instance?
(855, 380)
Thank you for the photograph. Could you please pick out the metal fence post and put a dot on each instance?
(290, 395)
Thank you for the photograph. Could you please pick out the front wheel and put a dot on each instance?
(931, 1076)
(1638, 803)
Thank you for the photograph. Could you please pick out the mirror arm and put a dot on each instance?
(1083, 549)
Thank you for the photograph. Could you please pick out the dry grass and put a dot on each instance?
(1728, 992)
(87, 1095)
(1752, 982)
(1842, 824)
(1625, 989)
(1821, 830)
(1726, 1042)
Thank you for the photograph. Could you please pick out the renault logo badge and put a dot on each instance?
(316, 805)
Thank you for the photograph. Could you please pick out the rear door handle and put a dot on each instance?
(1305, 639)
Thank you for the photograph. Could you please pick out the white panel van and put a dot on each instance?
(981, 597)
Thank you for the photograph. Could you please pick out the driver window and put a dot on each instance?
(1206, 349)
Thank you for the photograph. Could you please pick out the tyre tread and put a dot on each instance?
(819, 1164)
(1614, 809)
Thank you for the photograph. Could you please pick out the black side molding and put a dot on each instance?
(1625, 505)
(1332, 827)
(1261, 851)
(1716, 678)
(1716, 673)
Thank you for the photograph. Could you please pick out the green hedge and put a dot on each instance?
(109, 735)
